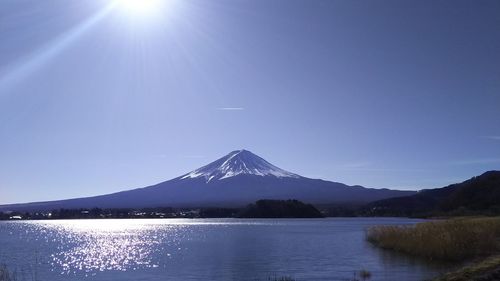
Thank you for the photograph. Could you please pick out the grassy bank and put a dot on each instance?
(486, 270)
(476, 240)
(452, 240)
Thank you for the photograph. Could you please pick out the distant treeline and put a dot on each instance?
(250, 211)
(261, 209)
(280, 209)
(124, 213)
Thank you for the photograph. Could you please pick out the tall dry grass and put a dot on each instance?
(6, 274)
(454, 239)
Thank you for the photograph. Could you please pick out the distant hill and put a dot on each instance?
(235, 180)
(280, 209)
(478, 195)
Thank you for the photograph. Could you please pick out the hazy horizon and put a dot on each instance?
(96, 99)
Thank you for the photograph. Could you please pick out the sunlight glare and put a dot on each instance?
(141, 8)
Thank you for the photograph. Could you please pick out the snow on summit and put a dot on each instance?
(237, 163)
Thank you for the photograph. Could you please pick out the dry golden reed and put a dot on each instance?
(454, 239)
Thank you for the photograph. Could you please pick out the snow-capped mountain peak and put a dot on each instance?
(237, 163)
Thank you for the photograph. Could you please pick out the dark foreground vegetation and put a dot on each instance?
(4, 273)
(485, 270)
(7, 275)
(464, 239)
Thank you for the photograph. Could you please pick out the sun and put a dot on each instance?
(141, 8)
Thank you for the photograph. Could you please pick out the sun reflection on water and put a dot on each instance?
(84, 248)
(99, 245)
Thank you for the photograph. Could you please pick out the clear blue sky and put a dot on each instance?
(96, 98)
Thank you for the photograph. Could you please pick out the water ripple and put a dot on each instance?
(88, 246)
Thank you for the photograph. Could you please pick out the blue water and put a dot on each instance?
(203, 249)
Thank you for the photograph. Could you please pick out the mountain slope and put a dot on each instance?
(236, 179)
(478, 194)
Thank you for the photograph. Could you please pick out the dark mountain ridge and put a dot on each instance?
(480, 194)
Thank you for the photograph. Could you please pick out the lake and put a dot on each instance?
(203, 249)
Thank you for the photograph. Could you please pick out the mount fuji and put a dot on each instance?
(234, 180)
(239, 162)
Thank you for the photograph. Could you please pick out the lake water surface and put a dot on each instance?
(203, 249)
